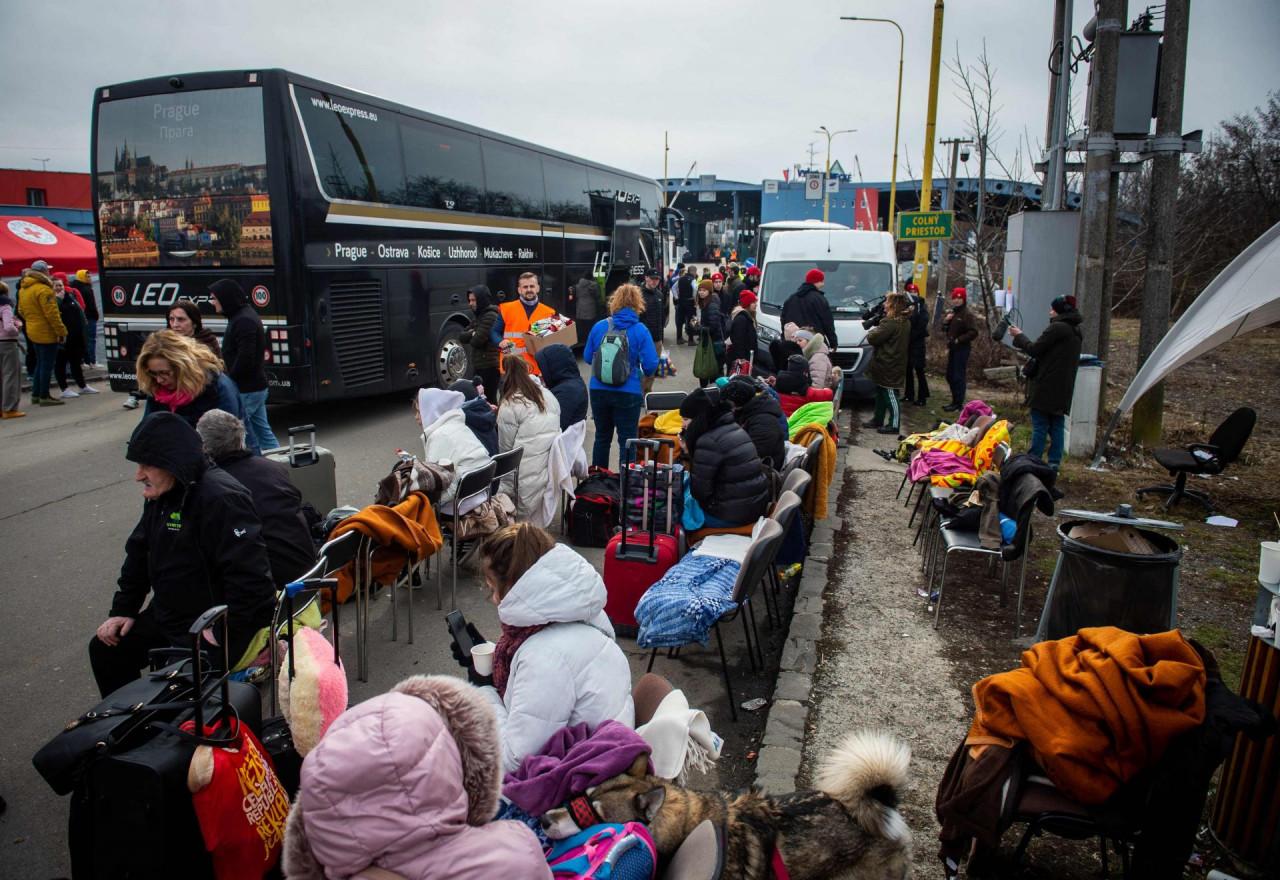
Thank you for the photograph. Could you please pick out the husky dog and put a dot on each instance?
(848, 828)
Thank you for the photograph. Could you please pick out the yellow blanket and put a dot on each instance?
(816, 503)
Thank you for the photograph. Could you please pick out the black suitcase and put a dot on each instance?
(276, 737)
(593, 517)
(131, 811)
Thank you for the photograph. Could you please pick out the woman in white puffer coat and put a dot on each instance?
(557, 663)
(529, 419)
(446, 437)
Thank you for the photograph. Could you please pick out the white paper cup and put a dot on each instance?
(482, 658)
(1269, 562)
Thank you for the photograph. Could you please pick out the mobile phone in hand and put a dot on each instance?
(458, 629)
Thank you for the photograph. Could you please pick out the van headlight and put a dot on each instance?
(768, 334)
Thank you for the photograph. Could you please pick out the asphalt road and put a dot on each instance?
(67, 502)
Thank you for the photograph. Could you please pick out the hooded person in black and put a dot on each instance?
(760, 416)
(808, 307)
(198, 544)
(479, 416)
(560, 375)
(726, 475)
(244, 345)
(1056, 355)
(484, 354)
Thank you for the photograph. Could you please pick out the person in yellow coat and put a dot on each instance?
(38, 307)
(515, 318)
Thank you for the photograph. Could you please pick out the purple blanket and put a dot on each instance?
(974, 408)
(933, 462)
(573, 760)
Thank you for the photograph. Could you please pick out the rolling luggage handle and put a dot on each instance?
(313, 456)
(230, 734)
(649, 553)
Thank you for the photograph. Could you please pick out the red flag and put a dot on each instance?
(786, 174)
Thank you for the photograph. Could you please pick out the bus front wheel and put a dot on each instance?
(453, 361)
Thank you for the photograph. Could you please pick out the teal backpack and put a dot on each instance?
(611, 363)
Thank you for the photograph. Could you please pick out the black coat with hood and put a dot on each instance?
(808, 307)
(198, 545)
(726, 475)
(279, 504)
(90, 302)
(743, 335)
(484, 356)
(1057, 354)
(761, 417)
(480, 417)
(657, 303)
(560, 375)
(244, 344)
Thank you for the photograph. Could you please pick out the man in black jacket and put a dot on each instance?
(279, 503)
(685, 309)
(808, 308)
(1053, 383)
(198, 544)
(918, 317)
(657, 305)
(244, 345)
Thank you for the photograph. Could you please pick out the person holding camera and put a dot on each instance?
(1055, 357)
(557, 663)
(888, 333)
(961, 328)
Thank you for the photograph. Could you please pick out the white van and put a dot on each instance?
(765, 231)
(860, 268)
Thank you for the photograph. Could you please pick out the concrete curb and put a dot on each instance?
(782, 748)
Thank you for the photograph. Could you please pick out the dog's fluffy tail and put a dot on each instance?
(865, 773)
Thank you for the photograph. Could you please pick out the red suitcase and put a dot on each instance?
(635, 559)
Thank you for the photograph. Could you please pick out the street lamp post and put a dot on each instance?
(897, 116)
(826, 196)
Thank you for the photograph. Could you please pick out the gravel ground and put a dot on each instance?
(880, 662)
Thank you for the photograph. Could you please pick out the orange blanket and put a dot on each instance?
(406, 533)
(1096, 707)
(816, 499)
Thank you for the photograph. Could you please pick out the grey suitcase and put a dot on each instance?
(311, 469)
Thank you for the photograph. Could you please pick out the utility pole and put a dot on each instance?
(1055, 138)
(944, 257)
(930, 131)
(813, 151)
(44, 163)
(980, 256)
(1148, 412)
(1093, 252)
(826, 172)
(666, 154)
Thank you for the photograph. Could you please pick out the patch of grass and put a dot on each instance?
(1221, 643)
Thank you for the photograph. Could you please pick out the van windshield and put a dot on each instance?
(851, 288)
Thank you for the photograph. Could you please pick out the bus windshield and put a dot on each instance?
(182, 180)
(851, 288)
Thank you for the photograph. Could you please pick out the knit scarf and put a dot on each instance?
(512, 638)
(172, 399)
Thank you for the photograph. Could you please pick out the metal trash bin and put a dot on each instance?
(1096, 586)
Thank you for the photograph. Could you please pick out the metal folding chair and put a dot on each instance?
(785, 511)
(663, 401)
(760, 556)
(953, 541)
(507, 463)
(473, 484)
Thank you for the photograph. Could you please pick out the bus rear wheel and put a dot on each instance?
(453, 361)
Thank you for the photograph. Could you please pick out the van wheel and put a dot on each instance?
(453, 360)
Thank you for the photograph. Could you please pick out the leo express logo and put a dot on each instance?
(166, 293)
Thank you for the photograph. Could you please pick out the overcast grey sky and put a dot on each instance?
(740, 84)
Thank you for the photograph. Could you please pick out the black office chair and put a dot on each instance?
(1223, 448)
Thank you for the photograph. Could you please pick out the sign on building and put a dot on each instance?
(833, 185)
(925, 225)
(813, 187)
(771, 187)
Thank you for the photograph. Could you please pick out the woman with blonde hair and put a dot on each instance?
(180, 375)
(529, 419)
(556, 663)
(620, 350)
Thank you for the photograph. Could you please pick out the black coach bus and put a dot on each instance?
(355, 224)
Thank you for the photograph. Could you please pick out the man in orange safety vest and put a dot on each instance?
(515, 318)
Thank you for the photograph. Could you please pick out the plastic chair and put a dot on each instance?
(507, 463)
(797, 481)
(700, 856)
(784, 513)
(755, 566)
(953, 541)
(471, 485)
(664, 401)
(1223, 448)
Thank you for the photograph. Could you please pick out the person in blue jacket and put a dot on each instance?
(616, 407)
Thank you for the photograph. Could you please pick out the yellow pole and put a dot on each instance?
(897, 118)
(930, 125)
(826, 197)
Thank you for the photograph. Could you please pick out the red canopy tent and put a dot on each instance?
(23, 240)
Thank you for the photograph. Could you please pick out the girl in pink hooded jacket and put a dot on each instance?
(408, 782)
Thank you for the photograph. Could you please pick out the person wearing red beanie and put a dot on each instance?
(962, 329)
(808, 308)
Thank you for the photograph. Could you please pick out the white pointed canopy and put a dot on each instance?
(1243, 297)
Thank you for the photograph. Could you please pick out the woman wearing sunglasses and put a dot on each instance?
(181, 376)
